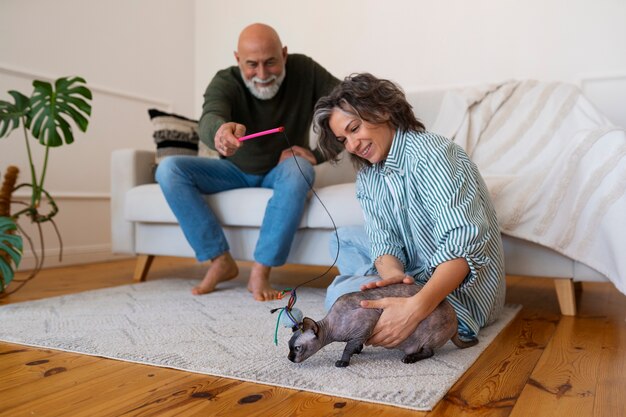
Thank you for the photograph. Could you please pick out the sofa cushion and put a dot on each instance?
(241, 207)
(341, 202)
(335, 173)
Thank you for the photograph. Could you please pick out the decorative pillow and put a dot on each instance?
(173, 134)
(176, 135)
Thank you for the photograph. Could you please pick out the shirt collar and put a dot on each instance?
(395, 159)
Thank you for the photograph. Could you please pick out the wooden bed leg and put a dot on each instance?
(565, 292)
(143, 266)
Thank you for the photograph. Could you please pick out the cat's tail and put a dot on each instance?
(463, 343)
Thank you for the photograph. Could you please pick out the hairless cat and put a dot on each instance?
(348, 322)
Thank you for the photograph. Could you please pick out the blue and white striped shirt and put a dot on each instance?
(428, 204)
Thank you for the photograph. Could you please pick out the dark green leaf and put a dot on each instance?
(53, 107)
(11, 113)
(6, 275)
(80, 120)
(10, 244)
(81, 91)
(10, 250)
(67, 131)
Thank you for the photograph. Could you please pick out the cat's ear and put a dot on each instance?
(309, 324)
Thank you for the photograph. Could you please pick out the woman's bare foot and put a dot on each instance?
(222, 268)
(259, 283)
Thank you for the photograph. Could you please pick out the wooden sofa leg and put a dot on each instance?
(565, 292)
(143, 266)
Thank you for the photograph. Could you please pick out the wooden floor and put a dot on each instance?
(542, 364)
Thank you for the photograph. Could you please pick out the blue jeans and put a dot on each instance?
(185, 179)
(354, 263)
(354, 250)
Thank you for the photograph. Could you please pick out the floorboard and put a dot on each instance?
(542, 364)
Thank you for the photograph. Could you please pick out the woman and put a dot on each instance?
(427, 211)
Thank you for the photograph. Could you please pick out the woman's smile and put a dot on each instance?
(365, 151)
(371, 142)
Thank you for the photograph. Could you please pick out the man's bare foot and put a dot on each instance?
(259, 283)
(222, 268)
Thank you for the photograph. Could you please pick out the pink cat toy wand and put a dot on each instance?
(263, 133)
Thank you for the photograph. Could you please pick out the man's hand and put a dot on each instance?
(227, 138)
(298, 151)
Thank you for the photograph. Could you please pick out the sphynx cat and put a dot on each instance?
(348, 322)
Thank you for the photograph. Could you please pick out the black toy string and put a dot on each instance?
(293, 296)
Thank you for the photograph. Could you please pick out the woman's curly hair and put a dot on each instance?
(371, 99)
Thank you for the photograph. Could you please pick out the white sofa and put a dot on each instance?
(143, 224)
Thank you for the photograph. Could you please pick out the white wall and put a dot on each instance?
(420, 43)
(134, 54)
(137, 54)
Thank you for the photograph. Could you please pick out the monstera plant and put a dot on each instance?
(46, 114)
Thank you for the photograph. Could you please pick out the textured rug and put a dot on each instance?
(227, 334)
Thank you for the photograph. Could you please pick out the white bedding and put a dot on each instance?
(560, 164)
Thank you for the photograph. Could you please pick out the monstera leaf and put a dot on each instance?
(50, 107)
(11, 113)
(49, 114)
(10, 250)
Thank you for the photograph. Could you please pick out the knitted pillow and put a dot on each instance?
(176, 135)
(173, 134)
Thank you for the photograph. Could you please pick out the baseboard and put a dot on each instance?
(72, 256)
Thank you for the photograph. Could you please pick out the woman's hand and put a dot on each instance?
(400, 318)
(388, 281)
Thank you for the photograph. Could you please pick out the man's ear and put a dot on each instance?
(309, 324)
(236, 57)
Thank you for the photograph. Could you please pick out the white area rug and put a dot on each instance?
(228, 334)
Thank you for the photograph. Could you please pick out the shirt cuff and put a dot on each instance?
(394, 251)
(475, 257)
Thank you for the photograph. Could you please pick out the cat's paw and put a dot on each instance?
(341, 364)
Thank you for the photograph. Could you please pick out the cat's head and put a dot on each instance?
(305, 341)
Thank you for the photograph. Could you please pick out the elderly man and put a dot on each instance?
(266, 89)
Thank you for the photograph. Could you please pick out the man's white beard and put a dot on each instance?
(265, 93)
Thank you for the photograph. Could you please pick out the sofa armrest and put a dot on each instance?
(129, 168)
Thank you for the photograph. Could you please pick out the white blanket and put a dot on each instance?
(560, 165)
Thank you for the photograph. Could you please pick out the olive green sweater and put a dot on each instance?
(227, 99)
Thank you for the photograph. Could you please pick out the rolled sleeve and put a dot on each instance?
(474, 255)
